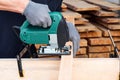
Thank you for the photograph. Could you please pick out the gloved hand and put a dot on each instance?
(74, 37)
(37, 14)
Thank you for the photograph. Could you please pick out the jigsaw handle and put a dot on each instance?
(38, 35)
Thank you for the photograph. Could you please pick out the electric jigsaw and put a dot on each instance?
(55, 36)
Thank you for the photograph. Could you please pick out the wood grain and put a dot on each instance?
(99, 55)
(91, 34)
(48, 69)
(96, 49)
(105, 4)
(109, 20)
(86, 27)
(79, 5)
(103, 13)
(81, 21)
(99, 41)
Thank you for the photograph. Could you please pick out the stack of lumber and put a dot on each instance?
(95, 41)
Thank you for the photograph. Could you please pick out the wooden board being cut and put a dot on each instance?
(86, 27)
(65, 73)
(92, 69)
(48, 69)
(105, 4)
(103, 13)
(81, 5)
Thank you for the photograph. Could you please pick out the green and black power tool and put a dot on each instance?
(55, 36)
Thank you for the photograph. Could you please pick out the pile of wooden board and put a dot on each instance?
(95, 18)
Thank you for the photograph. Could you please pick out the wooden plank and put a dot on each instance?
(79, 5)
(98, 49)
(116, 39)
(81, 21)
(86, 27)
(103, 13)
(48, 69)
(118, 46)
(92, 34)
(86, 16)
(71, 14)
(99, 41)
(105, 4)
(109, 26)
(65, 72)
(63, 6)
(83, 43)
(82, 56)
(82, 51)
(109, 20)
(98, 55)
(114, 33)
(63, 10)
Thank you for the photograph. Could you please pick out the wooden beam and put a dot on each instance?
(91, 34)
(109, 26)
(86, 27)
(97, 49)
(114, 33)
(71, 14)
(63, 6)
(109, 20)
(99, 55)
(82, 51)
(105, 4)
(79, 5)
(83, 43)
(99, 41)
(103, 13)
(81, 21)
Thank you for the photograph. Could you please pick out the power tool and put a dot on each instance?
(55, 36)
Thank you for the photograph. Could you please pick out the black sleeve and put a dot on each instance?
(54, 5)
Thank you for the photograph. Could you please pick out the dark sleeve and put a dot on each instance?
(54, 5)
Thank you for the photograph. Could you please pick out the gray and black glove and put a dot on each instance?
(37, 14)
(74, 37)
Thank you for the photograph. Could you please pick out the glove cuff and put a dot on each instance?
(28, 7)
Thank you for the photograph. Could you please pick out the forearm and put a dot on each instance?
(17, 6)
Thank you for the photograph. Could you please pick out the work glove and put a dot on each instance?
(37, 14)
(74, 37)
